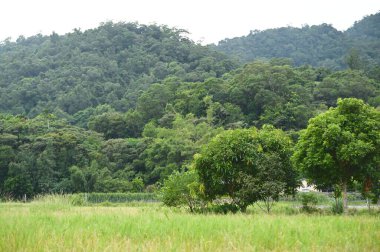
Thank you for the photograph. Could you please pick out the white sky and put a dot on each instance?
(207, 20)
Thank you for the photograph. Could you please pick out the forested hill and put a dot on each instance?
(317, 45)
(121, 107)
(111, 65)
(139, 149)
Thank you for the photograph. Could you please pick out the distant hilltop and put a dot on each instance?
(317, 45)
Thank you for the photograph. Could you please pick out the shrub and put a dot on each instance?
(182, 189)
(337, 206)
(151, 188)
(224, 208)
(309, 201)
(77, 200)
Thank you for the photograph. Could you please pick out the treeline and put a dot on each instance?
(317, 45)
(100, 149)
(47, 155)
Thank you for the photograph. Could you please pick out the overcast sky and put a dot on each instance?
(207, 20)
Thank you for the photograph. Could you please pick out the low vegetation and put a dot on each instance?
(53, 223)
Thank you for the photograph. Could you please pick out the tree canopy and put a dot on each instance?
(248, 165)
(110, 64)
(316, 45)
(341, 145)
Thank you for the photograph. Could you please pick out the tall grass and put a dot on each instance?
(53, 224)
(119, 197)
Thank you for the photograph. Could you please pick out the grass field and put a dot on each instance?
(56, 225)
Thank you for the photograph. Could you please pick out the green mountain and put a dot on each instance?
(111, 65)
(121, 107)
(317, 45)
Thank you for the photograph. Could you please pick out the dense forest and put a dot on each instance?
(111, 65)
(121, 107)
(317, 45)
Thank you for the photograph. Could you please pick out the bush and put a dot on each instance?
(224, 208)
(337, 206)
(77, 200)
(151, 188)
(183, 189)
(4, 197)
(309, 201)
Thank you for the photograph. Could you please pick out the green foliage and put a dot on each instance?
(137, 185)
(316, 45)
(345, 84)
(151, 104)
(121, 107)
(43, 154)
(183, 189)
(77, 179)
(340, 145)
(366, 28)
(337, 207)
(288, 97)
(18, 182)
(309, 201)
(224, 208)
(77, 200)
(173, 148)
(108, 65)
(353, 60)
(112, 125)
(247, 165)
(288, 42)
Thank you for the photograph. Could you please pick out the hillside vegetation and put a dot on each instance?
(121, 107)
(316, 45)
(111, 65)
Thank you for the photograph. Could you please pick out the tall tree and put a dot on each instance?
(247, 165)
(341, 145)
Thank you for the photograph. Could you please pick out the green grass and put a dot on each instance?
(53, 224)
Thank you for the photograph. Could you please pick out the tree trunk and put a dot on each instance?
(268, 204)
(344, 187)
(243, 209)
(368, 203)
(367, 189)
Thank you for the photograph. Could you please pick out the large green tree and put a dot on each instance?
(341, 145)
(248, 165)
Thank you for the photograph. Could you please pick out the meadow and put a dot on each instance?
(54, 224)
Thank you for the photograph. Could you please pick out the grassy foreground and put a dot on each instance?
(58, 226)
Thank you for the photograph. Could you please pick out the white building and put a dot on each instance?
(306, 187)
